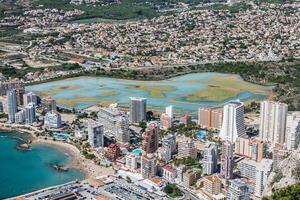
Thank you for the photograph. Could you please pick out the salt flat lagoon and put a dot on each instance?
(26, 171)
(185, 93)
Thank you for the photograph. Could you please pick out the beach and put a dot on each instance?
(88, 167)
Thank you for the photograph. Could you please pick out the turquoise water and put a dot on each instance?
(26, 171)
(64, 136)
(201, 134)
(136, 151)
(87, 91)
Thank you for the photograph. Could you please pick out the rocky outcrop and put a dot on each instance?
(287, 173)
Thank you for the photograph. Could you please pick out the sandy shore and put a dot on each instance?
(88, 167)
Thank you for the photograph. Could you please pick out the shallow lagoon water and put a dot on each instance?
(26, 171)
(83, 92)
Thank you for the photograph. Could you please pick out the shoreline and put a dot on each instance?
(86, 166)
(72, 152)
(77, 161)
(159, 75)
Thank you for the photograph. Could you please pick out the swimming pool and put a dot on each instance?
(201, 134)
(137, 151)
(63, 136)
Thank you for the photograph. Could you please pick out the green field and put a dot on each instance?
(127, 9)
(122, 10)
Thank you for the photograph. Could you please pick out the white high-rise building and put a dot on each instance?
(53, 119)
(164, 153)
(115, 124)
(263, 171)
(138, 109)
(170, 141)
(11, 105)
(132, 161)
(95, 134)
(30, 113)
(292, 131)
(273, 122)
(258, 172)
(186, 148)
(20, 117)
(247, 168)
(210, 159)
(29, 98)
(169, 111)
(233, 121)
(123, 132)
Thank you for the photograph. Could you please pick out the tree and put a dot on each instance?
(142, 124)
(290, 192)
(172, 190)
(93, 114)
(149, 115)
(128, 179)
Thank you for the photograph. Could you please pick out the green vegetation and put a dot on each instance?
(188, 162)
(9, 8)
(2, 12)
(252, 107)
(128, 179)
(188, 131)
(143, 124)
(66, 67)
(3, 115)
(9, 71)
(127, 9)
(173, 191)
(289, 193)
(285, 76)
(8, 31)
(82, 115)
(93, 115)
(122, 10)
(275, 1)
(88, 155)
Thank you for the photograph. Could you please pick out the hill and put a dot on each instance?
(107, 9)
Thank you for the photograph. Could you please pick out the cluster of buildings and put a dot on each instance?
(239, 168)
(236, 168)
(278, 132)
(188, 37)
(32, 20)
(21, 106)
(233, 164)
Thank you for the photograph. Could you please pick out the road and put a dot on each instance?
(188, 194)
